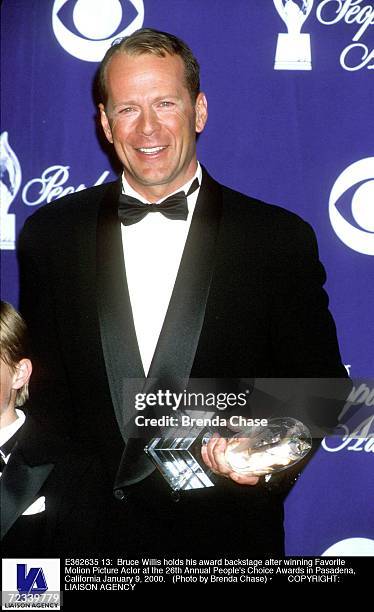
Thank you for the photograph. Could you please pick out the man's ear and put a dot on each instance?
(105, 123)
(201, 112)
(22, 374)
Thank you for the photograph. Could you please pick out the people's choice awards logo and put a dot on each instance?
(40, 190)
(357, 55)
(358, 437)
(293, 49)
(98, 24)
(361, 237)
(10, 182)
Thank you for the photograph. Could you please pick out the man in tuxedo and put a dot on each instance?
(123, 285)
(52, 493)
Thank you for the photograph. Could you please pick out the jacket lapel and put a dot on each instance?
(175, 352)
(20, 484)
(120, 348)
(177, 344)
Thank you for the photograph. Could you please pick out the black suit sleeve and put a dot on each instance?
(304, 340)
(48, 382)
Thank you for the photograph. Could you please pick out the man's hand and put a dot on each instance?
(213, 455)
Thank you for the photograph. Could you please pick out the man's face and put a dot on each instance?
(152, 122)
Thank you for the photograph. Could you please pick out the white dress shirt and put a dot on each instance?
(9, 430)
(152, 250)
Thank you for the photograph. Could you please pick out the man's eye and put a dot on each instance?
(126, 110)
(166, 104)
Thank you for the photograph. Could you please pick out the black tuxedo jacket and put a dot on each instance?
(248, 302)
(72, 482)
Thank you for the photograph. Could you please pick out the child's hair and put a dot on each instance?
(14, 343)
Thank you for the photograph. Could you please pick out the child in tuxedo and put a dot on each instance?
(52, 495)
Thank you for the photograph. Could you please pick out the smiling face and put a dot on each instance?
(152, 121)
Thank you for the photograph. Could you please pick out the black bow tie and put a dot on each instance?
(131, 210)
(8, 447)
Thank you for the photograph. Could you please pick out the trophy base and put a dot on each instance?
(179, 461)
(293, 52)
(7, 232)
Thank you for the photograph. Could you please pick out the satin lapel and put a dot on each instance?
(176, 348)
(120, 348)
(20, 484)
(175, 352)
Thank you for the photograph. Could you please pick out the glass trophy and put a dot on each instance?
(178, 458)
(257, 451)
(261, 451)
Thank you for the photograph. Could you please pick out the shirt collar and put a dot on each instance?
(126, 188)
(9, 430)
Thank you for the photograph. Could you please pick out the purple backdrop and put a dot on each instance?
(290, 121)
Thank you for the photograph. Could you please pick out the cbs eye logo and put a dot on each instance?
(87, 28)
(358, 234)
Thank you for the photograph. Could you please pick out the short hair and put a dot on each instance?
(14, 343)
(154, 42)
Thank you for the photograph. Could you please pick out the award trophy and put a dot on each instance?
(10, 183)
(293, 49)
(263, 451)
(257, 451)
(178, 457)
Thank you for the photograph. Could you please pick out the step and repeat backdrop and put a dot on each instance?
(290, 86)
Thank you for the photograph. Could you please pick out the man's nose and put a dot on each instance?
(148, 122)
